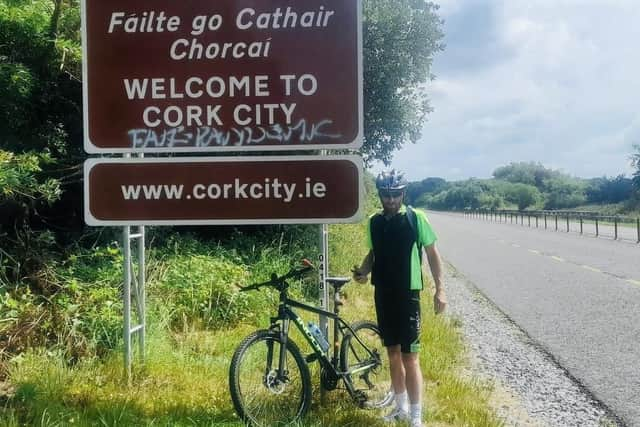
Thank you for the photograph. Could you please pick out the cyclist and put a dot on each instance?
(394, 261)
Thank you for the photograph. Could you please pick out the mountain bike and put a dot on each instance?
(269, 378)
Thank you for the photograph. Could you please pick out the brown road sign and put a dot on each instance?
(225, 190)
(223, 75)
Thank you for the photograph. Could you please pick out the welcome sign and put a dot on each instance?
(225, 75)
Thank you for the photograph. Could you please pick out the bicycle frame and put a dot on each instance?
(286, 315)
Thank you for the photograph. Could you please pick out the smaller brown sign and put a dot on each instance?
(228, 190)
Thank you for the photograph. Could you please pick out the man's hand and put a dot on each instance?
(439, 301)
(359, 275)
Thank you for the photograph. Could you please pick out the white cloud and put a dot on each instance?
(549, 81)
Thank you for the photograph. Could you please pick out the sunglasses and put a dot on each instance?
(391, 194)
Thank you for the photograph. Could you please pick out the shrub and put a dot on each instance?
(200, 289)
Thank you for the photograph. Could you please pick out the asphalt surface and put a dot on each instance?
(578, 297)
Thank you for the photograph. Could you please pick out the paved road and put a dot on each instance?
(577, 296)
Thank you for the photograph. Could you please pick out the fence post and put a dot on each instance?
(529, 219)
(567, 223)
(545, 221)
(556, 222)
(580, 224)
(615, 228)
(597, 230)
(638, 228)
(536, 220)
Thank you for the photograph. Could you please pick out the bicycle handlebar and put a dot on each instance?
(275, 280)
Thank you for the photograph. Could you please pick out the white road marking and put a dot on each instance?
(557, 258)
(591, 269)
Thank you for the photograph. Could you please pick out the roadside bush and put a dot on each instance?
(80, 316)
(201, 292)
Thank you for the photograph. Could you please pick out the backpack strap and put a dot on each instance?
(413, 223)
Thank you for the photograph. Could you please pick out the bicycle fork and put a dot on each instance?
(281, 374)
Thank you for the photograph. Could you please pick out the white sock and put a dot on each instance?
(415, 410)
(402, 400)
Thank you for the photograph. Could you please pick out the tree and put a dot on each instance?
(522, 195)
(427, 186)
(40, 86)
(605, 190)
(564, 192)
(635, 162)
(469, 194)
(530, 173)
(400, 40)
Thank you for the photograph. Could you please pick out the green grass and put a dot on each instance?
(184, 380)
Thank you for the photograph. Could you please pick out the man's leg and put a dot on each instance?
(411, 360)
(396, 366)
(401, 410)
(411, 364)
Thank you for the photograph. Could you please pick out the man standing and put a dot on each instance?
(395, 241)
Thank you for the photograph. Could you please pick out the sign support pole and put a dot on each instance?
(324, 291)
(323, 269)
(134, 285)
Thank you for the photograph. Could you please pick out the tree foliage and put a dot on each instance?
(564, 192)
(469, 194)
(635, 163)
(530, 173)
(40, 77)
(609, 190)
(425, 187)
(526, 185)
(400, 40)
(523, 195)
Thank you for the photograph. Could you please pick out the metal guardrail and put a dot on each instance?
(552, 219)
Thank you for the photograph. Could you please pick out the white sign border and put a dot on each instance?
(356, 160)
(90, 148)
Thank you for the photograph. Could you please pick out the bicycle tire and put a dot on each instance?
(259, 398)
(374, 383)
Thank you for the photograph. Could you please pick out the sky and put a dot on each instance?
(549, 81)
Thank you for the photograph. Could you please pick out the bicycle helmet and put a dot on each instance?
(391, 180)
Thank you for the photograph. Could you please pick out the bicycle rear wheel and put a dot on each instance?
(375, 381)
(261, 395)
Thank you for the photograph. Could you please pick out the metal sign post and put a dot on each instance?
(323, 291)
(134, 285)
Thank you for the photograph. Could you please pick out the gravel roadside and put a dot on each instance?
(530, 388)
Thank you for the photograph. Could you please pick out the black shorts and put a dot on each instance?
(398, 315)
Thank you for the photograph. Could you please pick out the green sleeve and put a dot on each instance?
(426, 235)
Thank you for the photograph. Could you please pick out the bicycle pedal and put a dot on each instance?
(311, 358)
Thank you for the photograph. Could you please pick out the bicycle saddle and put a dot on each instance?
(338, 282)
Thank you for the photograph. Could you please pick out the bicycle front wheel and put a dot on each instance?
(262, 394)
(367, 366)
